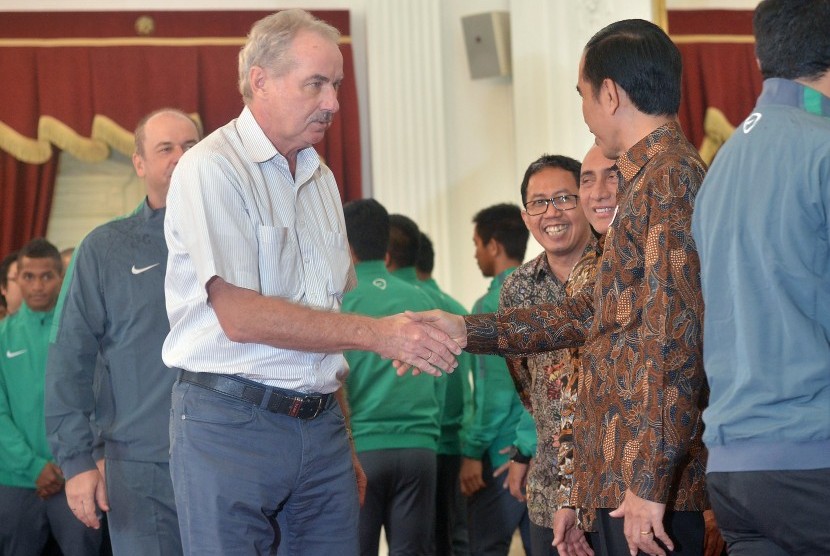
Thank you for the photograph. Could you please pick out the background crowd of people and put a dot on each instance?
(245, 366)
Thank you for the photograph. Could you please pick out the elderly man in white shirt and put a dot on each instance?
(258, 265)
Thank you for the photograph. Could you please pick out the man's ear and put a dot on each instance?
(610, 95)
(257, 77)
(494, 247)
(526, 219)
(138, 164)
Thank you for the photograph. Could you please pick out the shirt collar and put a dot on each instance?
(26, 313)
(540, 268)
(365, 269)
(407, 274)
(791, 93)
(634, 159)
(499, 279)
(147, 212)
(260, 148)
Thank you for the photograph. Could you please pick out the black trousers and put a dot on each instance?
(772, 513)
(686, 530)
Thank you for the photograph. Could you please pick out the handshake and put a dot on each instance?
(424, 342)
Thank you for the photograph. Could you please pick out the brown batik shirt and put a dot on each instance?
(638, 425)
(538, 381)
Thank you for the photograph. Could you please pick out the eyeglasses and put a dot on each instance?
(560, 202)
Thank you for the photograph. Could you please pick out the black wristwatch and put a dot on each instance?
(518, 457)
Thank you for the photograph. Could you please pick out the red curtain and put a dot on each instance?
(719, 67)
(74, 66)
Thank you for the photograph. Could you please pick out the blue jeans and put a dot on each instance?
(236, 467)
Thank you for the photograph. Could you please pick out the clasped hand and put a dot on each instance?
(446, 336)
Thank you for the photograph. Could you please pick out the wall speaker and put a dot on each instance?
(487, 39)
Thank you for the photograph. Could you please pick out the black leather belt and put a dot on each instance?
(299, 405)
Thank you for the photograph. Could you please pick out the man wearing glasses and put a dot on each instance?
(553, 216)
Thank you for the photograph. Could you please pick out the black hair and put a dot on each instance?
(792, 38)
(641, 58)
(404, 241)
(503, 223)
(39, 248)
(550, 161)
(426, 255)
(5, 265)
(367, 225)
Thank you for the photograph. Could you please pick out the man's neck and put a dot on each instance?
(641, 126)
(504, 264)
(562, 265)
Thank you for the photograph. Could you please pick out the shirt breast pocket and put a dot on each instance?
(280, 267)
(339, 259)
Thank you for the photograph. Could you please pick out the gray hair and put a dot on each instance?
(270, 40)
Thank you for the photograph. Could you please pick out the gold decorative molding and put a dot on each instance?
(131, 41)
(31, 151)
(660, 14)
(738, 39)
(67, 139)
(145, 25)
(717, 129)
(106, 135)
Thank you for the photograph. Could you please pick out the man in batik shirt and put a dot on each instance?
(553, 215)
(638, 449)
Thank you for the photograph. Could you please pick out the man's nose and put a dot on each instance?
(177, 153)
(330, 101)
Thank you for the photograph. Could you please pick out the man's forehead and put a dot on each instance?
(552, 176)
(166, 123)
(39, 264)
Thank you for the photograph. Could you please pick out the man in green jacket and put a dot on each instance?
(32, 498)
(500, 238)
(404, 252)
(395, 421)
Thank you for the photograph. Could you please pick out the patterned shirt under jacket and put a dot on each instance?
(538, 381)
(640, 424)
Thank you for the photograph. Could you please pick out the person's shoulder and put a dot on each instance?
(8, 325)
(413, 292)
(108, 233)
(524, 272)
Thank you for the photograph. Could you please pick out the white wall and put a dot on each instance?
(470, 140)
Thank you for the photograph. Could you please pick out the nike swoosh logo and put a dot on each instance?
(13, 354)
(144, 269)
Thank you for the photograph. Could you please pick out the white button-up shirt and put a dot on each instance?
(235, 211)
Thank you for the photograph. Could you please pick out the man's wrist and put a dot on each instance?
(517, 456)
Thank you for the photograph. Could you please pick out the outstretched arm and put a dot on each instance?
(249, 317)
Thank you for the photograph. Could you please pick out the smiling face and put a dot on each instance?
(598, 182)
(562, 233)
(296, 107)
